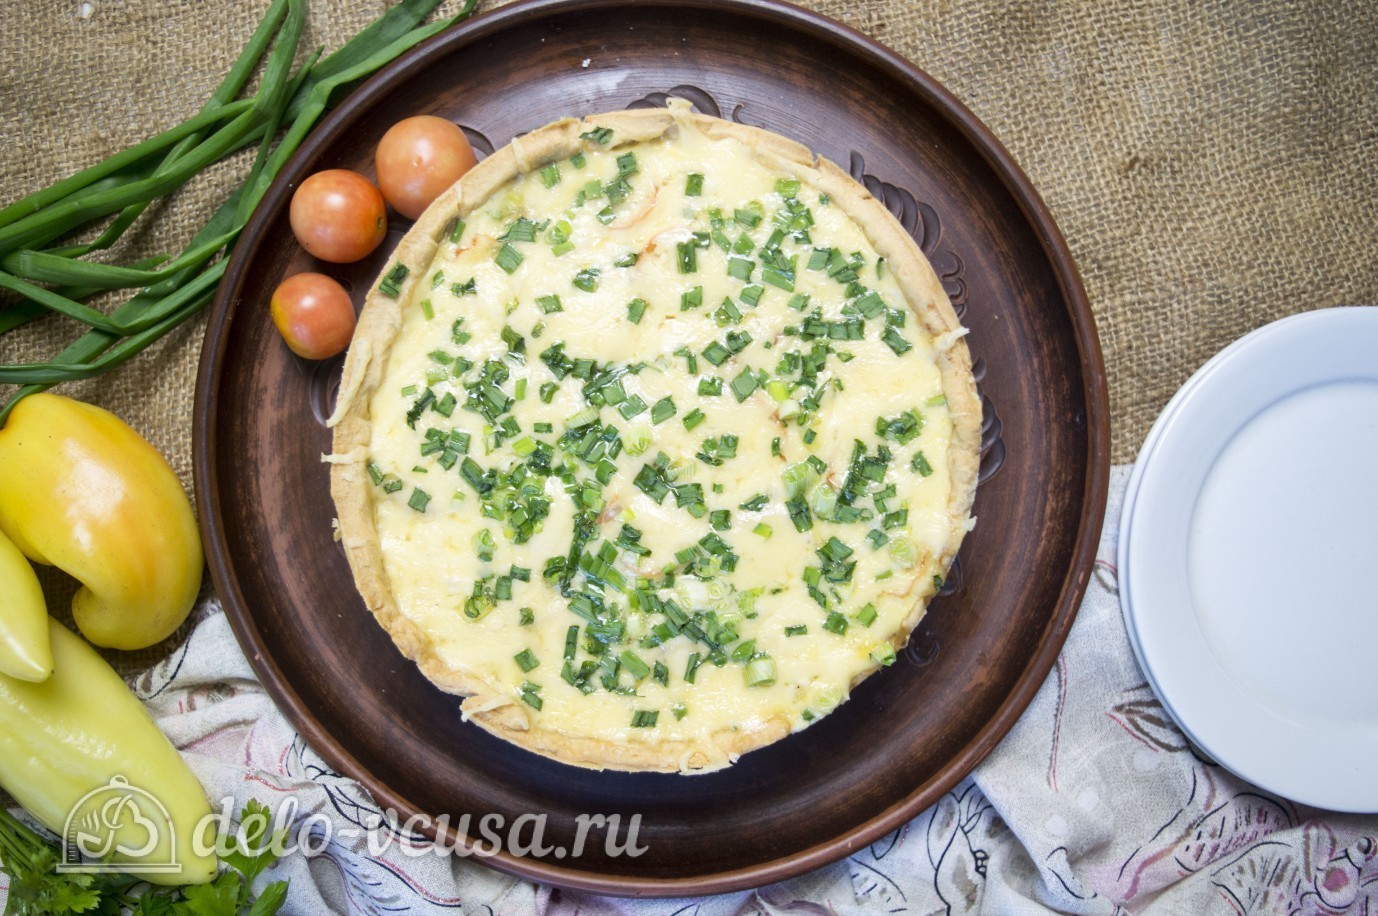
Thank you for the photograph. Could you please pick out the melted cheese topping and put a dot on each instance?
(725, 583)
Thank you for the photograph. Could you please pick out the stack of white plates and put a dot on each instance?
(1249, 558)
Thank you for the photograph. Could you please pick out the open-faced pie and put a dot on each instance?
(656, 436)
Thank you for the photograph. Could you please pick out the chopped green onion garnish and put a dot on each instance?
(549, 304)
(687, 256)
(920, 464)
(599, 135)
(550, 175)
(716, 353)
(634, 665)
(427, 309)
(693, 418)
(663, 410)
(419, 499)
(587, 279)
(693, 185)
(760, 671)
(883, 654)
(895, 341)
(645, 718)
(743, 385)
(526, 660)
(509, 258)
(798, 629)
(763, 530)
(691, 299)
(635, 309)
(391, 285)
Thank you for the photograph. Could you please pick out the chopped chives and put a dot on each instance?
(720, 519)
(784, 279)
(743, 385)
(693, 418)
(798, 629)
(716, 353)
(645, 718)
(920, 464)
(633, 664)
(755, 503)
(391, 285)
(635, 309)
(663, 410)
(727, 313)
(587, 279)
(456, 231)
(550, 175)
(740, 268)
(549, 304)
(526, 617)
(509, 258)
(895, 341)
(627, 260)
(686, 254)
(693, 185)
(521, 230)
(578, 160)
(691, 299)
(750, 216)
(763, 530)
(710, 386)
(867, 615)
(599, 135)
(427, 310)
(835, 623)
(419, 499)
(526, 660)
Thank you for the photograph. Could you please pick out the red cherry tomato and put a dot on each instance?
(313, 314)
(338, 216)
(417, 159)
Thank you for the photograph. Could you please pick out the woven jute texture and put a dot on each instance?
(1213, 166)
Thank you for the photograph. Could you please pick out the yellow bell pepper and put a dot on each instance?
(82, 755)
(82, 491)
(24, 649)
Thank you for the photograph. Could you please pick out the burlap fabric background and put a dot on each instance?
(1213, 166)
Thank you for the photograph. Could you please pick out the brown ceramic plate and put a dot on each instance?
(908, 734)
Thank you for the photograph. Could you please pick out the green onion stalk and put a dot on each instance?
(44, 276)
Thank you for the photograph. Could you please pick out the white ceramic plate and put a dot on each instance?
(1249, 558)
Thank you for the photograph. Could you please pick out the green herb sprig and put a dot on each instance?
(48, 276)
(38, 889)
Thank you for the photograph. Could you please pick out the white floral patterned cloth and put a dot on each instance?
(1094, 803)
